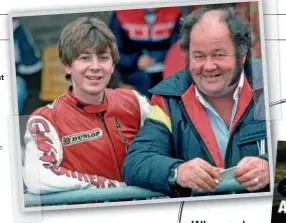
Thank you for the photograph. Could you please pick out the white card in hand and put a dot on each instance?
(227, 174)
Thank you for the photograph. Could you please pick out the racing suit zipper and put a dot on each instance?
(100, 116)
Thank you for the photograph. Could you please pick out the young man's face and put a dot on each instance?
(90, 73)
(212, 59)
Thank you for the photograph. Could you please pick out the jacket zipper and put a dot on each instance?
(197, 134)
(100, 116)
(237, 124)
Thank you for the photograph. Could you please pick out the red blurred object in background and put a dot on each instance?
(174, 61)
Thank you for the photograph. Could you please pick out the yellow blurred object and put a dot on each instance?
(53, 76)
(123, 85)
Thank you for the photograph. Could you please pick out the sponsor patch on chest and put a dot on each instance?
(82, 137)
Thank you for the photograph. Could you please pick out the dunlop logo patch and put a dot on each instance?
(82, 137)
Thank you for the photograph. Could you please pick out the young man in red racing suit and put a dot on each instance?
(80, 140)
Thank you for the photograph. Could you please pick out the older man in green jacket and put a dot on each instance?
(204, 118)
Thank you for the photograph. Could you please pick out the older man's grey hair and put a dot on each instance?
(239, 31)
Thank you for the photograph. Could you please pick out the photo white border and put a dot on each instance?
(16, 158)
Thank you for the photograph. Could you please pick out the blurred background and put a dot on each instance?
(148, 42)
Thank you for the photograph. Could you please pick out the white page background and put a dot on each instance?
(222, 211)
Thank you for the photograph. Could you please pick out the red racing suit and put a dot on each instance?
(73, 145)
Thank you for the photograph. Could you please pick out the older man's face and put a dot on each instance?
(212, 56)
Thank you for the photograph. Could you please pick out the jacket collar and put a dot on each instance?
(199, 118)
(89, 108)
(174, 85)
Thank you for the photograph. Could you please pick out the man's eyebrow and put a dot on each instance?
(219, 50)
(106, 52)
(86, 52)
(197, 51)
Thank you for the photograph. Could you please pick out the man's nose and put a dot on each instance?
(210, 64)
(94, 65)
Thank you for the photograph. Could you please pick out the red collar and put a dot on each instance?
(89, 108)
(199, 117)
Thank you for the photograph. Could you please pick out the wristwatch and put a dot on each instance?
(172, 177)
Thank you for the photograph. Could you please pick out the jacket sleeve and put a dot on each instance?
(128, 56)
(149, 158)
(145, 106)
(43, 172)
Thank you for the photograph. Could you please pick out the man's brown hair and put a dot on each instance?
(84, 33)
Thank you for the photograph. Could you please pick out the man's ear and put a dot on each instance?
(67, 69)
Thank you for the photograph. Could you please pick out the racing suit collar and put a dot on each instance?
(89, 108)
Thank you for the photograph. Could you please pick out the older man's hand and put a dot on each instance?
(252, 173)
(198, 175)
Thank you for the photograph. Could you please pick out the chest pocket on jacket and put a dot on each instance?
(249, 136)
